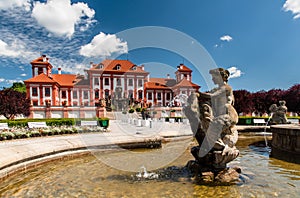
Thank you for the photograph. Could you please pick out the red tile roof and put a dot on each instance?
(183, 68)
(156, 85)
(159, 80)
(43, 60)
(125, 66)
(185, 83)
(64, 79)
(40, 78)
(61, 79)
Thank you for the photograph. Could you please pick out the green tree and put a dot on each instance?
(18, 86)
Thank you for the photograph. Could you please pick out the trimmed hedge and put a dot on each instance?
(50, 122)
(248, 120)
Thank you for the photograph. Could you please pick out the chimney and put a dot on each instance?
(168, 76)
(59, 70)
(181, 66)
(92, 64)
(143, 68)
(44, 58)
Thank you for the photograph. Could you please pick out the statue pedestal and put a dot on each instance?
(209, 175)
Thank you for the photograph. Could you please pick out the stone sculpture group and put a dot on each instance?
(213, 122)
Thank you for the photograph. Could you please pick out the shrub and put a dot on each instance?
(7, 135)
(138, 109)
(130, 110)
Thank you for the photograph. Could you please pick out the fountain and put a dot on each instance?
(86, 176)
(213, 119)
(285, 136)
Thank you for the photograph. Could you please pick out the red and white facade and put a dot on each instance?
(118, 81)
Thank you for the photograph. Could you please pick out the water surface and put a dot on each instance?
(87, 176)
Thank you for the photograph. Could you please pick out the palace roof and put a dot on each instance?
(61, 79)
(183, 68)
(121, 66)
(64, 79)
(186, 83)
(43, 60)
(42, 78)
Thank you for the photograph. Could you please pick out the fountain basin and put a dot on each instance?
(286, 142)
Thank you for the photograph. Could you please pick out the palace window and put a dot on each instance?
(133, 68)
(100, 66)
(34, 91)
(140, 94)
(97, 94)
(35, 103)
(96, 81)
(47, 91)
(63, 94)
(149, 95)
(130, 94)
(75, 95)
(140, 82)
(85, 94)
(130, 82)
(118, 82)
(106, 81)
(106, 92)
(168, 96)
(158, 96)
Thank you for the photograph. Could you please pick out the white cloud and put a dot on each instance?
(226, 38)
(104, 45)
(23, 75)
(9, 81)
(6, 50)
(60, 16)
(9, 4)
(293, 6)
(234, 72)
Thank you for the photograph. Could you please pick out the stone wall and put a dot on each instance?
(286, 142)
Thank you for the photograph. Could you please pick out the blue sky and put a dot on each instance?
(258, 40)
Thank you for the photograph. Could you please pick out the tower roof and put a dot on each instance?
(183, 68)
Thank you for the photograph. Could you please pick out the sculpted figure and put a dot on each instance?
(213, 119)
(279, 113)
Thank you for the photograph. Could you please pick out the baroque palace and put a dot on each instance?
(111, 84)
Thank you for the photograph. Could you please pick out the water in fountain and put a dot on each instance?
(143, 174)
(87, 177)
(265, 131)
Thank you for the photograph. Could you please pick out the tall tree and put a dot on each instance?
(259, 102)
(273, 96)
(13, 103)
(18, 86)
(243, 101)
(292, 98)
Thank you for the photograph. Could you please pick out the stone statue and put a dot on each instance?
(213, 120)
(279, 113)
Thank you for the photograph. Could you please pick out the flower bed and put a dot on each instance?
(25, 132)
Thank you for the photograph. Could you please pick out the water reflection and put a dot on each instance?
(88, 177)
